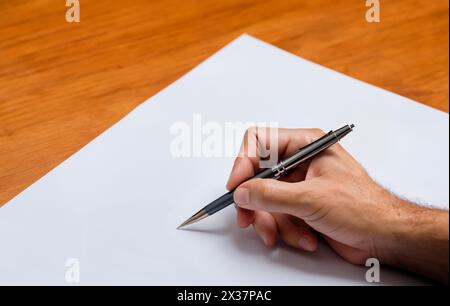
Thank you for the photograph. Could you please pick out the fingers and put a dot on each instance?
(266, 227)
(296, 233)
(258, 142)
(263, 222)
(276, 196)
(255, 199)
(244, 217)
(293, 231)
(242, 169)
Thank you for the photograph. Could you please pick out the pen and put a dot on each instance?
(275, 172)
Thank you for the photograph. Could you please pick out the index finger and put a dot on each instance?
(260, 142)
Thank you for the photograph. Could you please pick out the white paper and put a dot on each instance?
(115, 204)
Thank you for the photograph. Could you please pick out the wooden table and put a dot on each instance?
(62, 84)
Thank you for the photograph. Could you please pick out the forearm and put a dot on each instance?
(418, 240)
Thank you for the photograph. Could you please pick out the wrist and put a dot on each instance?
(415, 238)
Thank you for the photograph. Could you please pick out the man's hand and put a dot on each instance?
(334, 197)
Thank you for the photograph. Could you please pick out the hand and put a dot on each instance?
(334, 197)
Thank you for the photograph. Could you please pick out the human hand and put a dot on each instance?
(331, 196)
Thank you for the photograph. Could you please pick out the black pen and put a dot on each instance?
(275, 172)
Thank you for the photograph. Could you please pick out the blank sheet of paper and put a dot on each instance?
(113, 207)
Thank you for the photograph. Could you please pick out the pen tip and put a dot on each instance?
(181, 226)
(195, 218)
(352, 126)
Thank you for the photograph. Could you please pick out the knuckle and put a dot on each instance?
(307, 196)
(266, 191)
(318, 132)
(251, 130)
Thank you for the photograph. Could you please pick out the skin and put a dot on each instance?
(333, 197)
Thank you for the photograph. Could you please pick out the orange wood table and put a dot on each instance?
(62, 84)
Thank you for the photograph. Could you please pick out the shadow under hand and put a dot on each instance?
(224, 230)
(324, 262)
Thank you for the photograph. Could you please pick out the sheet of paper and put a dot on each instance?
(110, 211)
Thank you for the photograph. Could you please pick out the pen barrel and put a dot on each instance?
(309, 151)
(282, 167)
(227, 198)
(220, 203)
(312, 149)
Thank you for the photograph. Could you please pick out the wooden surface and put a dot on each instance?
(62, 84)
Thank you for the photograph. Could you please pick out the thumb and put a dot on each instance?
(274, 196)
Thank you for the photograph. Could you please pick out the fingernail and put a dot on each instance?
(305, 244)
(241, 196)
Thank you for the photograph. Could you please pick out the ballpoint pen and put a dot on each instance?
(280, 169)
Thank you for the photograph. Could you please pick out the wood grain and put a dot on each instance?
(62, 84)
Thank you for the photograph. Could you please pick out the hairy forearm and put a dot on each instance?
(417, 240)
